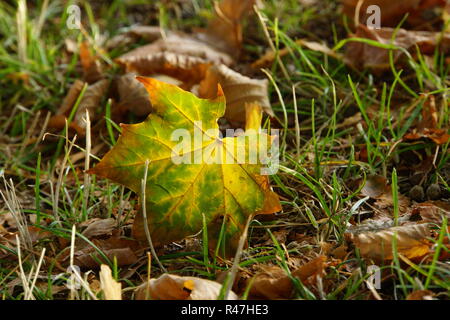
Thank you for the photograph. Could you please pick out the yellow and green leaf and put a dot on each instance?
(178, 195)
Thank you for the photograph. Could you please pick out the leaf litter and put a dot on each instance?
(199, 65)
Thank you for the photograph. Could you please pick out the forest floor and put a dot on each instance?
(364, 173)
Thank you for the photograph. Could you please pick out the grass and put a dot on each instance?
(312, 95)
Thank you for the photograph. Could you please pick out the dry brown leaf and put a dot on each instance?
(172, 287)
(132, 95)
(101, 227)
(225, 29)
(411, 242)
(111, 288)
(362, 55)
(192, 50)
(238, 90)
(149, 33)
(36, 234)
(392, 12)
(70, 98)
(377, 187)
(122, 249)
(427, 127)
(188, 69)
(420, 295)
(438, 136)
(432, 211)
(273, 283)
(90, 102)
(92, 69)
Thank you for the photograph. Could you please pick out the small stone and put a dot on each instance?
(434, 192)
(416, 193)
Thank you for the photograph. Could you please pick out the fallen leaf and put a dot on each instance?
(420, 295)
(111, 288)
(70, 98)
(238, 90)
(188, 69)
(172, 287)
(273, 282)
(362, 55)
(378, 245)
(149, 33)
(427, 127)
(92, 70)
(377, 187)
(86, 256)
(91, 101)
(35, 233)
(432, 211)
(177, 195)
(132, 95)
(392, 12)
(224, 30)
(181, 51)
(103, 227)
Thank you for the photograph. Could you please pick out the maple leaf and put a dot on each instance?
(178, 195)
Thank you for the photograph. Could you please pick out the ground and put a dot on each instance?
(361, 149)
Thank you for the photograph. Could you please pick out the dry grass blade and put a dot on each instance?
(111, 288)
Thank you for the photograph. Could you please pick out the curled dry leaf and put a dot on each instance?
(103, 227)
(392, 12)
(432, 211)
(225, 29)
(70, 98)
(111, 288)
(427, 127)
(273, 282)
(377, 187)
(410, 241)
(362, 55)
(58, 121)
(420, 295)
(149, 33)
(188, 69)
(90, 101)
(172, 287)
(238, 90)
(132, 95)
(8, 239)
(176, 45)
(86, 256)
(92, 69)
